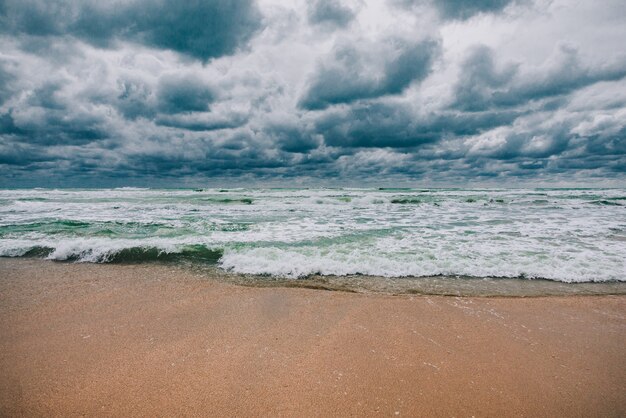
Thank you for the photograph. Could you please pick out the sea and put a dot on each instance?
(399, 240)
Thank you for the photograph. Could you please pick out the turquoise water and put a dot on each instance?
(564, 235)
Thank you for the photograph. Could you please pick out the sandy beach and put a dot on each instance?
(153, 340)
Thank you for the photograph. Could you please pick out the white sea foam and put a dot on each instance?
(565, 235)
(477, 262)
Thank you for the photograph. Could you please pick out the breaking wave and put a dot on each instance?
(561, 235)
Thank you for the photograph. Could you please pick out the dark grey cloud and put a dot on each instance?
(6, 83)
(55, 129)
(183, 94)
(291, 137)
(135, 99)
(203, 29)
(464, 9)
(613, 144)
(17, 155)
(479, 79)
(8, 126)
(376, 125)
(482, 86)
(333, 92)
(202, 122)
(397, 126)
(529, 145)
(330, 12)
(49, 119)
(348, 77)
(174, 94)
(459, 9)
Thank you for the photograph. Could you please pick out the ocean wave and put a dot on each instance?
(299, 263)
(330, 258)
(242, 200)
(606, 202)
(194, 253)
(405, 200)
(563, 235)
(109, 251)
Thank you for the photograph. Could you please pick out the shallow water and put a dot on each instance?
(562, 235)
(436, 285)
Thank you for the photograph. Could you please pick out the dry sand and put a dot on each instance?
(158, 341)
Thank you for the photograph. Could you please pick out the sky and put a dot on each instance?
(425, 93)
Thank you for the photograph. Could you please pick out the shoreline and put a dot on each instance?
(451, 286)
(154, 340)
(440, 285)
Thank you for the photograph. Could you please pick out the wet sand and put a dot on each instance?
(149, 340)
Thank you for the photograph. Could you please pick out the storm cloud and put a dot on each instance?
(459, 9)
(351, 73)
(329, 92)
(330, 12)
(201, 29)
(483, 86)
